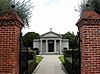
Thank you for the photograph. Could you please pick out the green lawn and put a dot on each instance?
(62, 59)
(33, 64)
(38, 59)
(67, 63)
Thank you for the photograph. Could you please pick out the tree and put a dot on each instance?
(90, 5)
(29, 37)
(73, 43)
(23, 8)
(96, 5)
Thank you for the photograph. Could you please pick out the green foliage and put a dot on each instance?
(29, 37)
(67, 53)
(67, 62)
(23, 8)
(38, 59)
(32, 55)
(96, 5)
(62, 59)
(90, 5)
(68, 65)
(37, 51)
(71, 38)
(32, 64)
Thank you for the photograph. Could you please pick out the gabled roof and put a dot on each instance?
(50, 34)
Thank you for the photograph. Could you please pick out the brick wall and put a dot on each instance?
(10, 26)
(89, 27)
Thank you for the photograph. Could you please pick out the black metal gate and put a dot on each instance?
(76, 56)
(23, 57)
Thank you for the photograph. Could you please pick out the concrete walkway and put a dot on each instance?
(50, 64)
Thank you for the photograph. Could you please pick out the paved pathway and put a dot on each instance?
(50, 64)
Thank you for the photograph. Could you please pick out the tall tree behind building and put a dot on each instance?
(72, 39)
(29, 37)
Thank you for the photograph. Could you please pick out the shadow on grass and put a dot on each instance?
(33, 64)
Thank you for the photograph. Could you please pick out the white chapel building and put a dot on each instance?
(51, 42)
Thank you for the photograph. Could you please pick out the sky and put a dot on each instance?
(56, 14)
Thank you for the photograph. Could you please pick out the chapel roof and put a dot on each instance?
(50, 34)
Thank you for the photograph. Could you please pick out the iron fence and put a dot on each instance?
(23, 57)
(76, 56)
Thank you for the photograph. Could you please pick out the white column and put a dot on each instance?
(46, 45)
(41, 46)
(60, 46)
(55, 46)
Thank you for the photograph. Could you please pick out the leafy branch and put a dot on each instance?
(23, 9)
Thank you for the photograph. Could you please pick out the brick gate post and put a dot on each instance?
(89, 27)
(10, 27)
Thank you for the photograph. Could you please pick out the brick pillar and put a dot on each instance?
(10, 26)
(89, 27)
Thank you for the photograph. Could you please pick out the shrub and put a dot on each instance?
(37, 51)
(31, 66)
(32, 55)
(67, 53)
(65, 48)
(67, 62)
(68, 65)
(31, 61)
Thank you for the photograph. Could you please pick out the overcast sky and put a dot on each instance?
(56, 14)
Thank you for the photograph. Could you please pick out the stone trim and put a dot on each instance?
(12, 22)
(88, 22)
(10, 15)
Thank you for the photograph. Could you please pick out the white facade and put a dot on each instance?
(50, 42)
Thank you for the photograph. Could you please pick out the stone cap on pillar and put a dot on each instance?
(88, 17)
(12, 16)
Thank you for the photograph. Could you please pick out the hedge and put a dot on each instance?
(73, 65)
(31, 61)
(68, 60)
(32, 55)
(31, 66)
(37, 51)
(68, 65)
(67, 53)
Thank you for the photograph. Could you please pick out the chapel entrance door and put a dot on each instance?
(51, 46)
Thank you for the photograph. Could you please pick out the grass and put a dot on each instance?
(33, 64)
(38, 59)
(67, 63)
(62, 59)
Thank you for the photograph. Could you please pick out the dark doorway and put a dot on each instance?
(51, 46)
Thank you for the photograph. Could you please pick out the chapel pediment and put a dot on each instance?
(51, 34)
